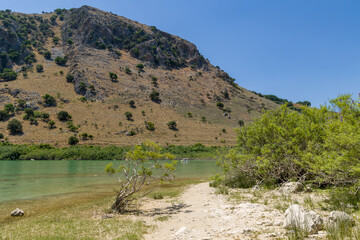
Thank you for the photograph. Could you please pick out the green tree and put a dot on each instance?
(149, 126)
(8, 74)
(128, 116)
(61, 61)
(144, 166)
(140, 66)
(51, 124)
(56, 40)
(1, 135)
(4, 115)
(69, 78)
(64, 116)
(155, 96)
(15, 127)
(132, 104)
(39, 68)
(220, 105)
(241, 123)
(47, 55)
(172, 125)
(49, 100)
(29, 113)
(113, 76)
(73, 140)
(9, 108)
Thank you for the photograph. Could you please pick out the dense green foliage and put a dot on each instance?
(63, 116)
(155, 96)
(8, 74)
(113, 76)
(15, 126)
(61, 61)
(49, 100)
(316, 145)
(39, 68)
(172, 125)
(47, 152)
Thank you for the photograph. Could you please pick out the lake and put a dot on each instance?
(21, 180)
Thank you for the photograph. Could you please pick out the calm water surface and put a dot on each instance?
(32, 179)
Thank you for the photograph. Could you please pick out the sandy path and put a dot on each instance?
(201, 214)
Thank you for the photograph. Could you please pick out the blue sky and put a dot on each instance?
(295, 49)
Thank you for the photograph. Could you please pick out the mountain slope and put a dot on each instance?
(166, 77)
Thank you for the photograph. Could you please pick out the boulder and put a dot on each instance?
(17, 212)
(337, 217)
(291, 187)
(297, 217)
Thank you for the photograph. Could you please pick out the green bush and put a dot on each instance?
(220, 105)
(132, 104)
(51, 124)
(61, 61)
(316, 145)
(39, 68)
(69, 78)
(1, 135)
(149, 126)
(9, 108)
(127, 70)
(73, 140)
(128, 115)
(140, 66)
(29, 113)
(241, 123)
(56, 40)
(8, 74)
(155, 97)
(64, 116)
(113, 76)
(15, 127)
(49, 100)
(4, 115)
(47, 55)
(70, 41)
(29, 59)
(172, 125)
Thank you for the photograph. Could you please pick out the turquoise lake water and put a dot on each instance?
(33, 179)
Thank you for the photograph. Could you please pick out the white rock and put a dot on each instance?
(17, 212)
(341, 217)
(300, 218)
(291, 187)
(181, 231)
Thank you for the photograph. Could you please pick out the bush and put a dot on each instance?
(70, 41)
(317, 145)
(128, 116)
(47, 55)
(132, 104)
(49, 100)
(113, 76)
(149, 126)
(172, 125)
(241, 123)
(55, 40)
(9, 108)
(73, 140)
(29, 113)
(1, 135)
(39, 68)
(64, 116)
(127, 70)
(51, 124)
(4, 115)
(69, 78)
(140, 66)
(15, 127)
(61, 61)
(29, 59)
(145, 157)
(220, 105)
(8, 74)
(155, 97)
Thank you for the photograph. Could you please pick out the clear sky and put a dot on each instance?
(295, 49)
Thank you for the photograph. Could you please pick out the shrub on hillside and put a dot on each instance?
(47, 55)
(149, 126)
(73, 140)
(49, 100)
(155, 97)
(61, 61)
(69, 78)
(64, 116)
(172, 125)
(113, 76)
(15, 127)
(128, 116)
(8, 74)
(4, 115)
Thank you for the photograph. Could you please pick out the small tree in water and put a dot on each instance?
(144, 165)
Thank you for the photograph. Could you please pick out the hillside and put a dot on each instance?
(94, 63)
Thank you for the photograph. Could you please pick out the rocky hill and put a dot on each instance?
(121, 81)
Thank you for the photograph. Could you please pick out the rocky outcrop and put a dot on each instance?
(17, 213)
(299, 218)
(291, 187)
(98, 29)
(338, 217)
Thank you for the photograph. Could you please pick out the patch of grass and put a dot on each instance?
(162, 218)
(342, 230)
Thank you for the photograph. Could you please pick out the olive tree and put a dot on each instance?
(144, 165)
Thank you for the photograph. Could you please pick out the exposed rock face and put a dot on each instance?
(17, 212)
(291, 187)
(338, 217)
(95, 28)
(297, 217)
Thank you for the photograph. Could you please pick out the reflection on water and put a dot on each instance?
(32, 179)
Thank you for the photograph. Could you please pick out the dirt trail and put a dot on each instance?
(202, 214)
